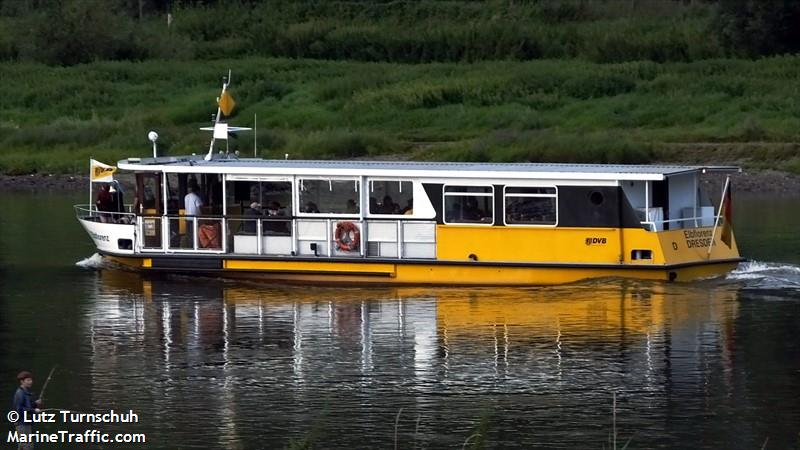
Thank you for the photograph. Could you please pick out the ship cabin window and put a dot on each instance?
(207, 186)
(469, 205)
(531, 205)
(273, 197)
(391, 197)
(329, 196)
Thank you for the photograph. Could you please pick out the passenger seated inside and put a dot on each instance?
(275, 226)
(471, 211)
(373, 206)
(252, 214)
(454, 214)
(409, 209)
(351, 207)
(310, 207)
(388, 206)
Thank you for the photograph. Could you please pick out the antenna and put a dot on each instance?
(255, 136)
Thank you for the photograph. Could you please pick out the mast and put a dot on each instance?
(225, 83)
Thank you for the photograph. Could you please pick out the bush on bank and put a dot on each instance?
(547, 110)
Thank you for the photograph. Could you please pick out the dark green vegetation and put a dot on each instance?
(606, 81)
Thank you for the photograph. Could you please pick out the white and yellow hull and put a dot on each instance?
(481, 256)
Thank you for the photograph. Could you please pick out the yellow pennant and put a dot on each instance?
(101, 172)
(226, 103)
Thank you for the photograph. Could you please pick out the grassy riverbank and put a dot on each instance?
(629, 81)
(54, 118)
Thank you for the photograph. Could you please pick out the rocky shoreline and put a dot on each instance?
(43, 182)
(771, 182)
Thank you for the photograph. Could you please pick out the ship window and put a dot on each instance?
(531, 205)
(150, 193)
(596, 198)
(390, 197)
(469, 204)
(275, 197)
(326, 196)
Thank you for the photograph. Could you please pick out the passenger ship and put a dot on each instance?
(415, 222)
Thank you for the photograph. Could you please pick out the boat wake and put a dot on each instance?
(94, 262)
(764, 275)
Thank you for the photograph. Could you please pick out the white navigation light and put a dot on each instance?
(153, 136)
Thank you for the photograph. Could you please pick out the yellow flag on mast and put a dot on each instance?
(226, 103)
(101, 172)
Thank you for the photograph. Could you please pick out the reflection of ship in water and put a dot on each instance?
(208, 315)
(222, 346)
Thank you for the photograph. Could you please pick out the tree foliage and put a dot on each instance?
(756, 27)
(67, 32)
(77, 31)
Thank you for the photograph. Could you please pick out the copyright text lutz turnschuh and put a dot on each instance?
(28, 434)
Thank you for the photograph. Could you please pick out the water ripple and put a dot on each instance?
(767, 275)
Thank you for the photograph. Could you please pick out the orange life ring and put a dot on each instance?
(348, 236)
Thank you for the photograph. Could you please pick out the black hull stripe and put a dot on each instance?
(194, 257)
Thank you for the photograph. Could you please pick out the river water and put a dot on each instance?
(210, 363)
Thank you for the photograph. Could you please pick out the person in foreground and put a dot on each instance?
(25, 406)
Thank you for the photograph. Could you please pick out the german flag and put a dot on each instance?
(727, 214)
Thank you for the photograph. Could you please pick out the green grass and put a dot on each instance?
(54, 118)
(404, 32)
(601, 81)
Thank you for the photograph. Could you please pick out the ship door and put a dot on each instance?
(661, 199)
(150, 206)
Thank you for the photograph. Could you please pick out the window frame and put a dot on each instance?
(536, 225)
(368, 191)
(445, 194)
(298, 184)
(262, 179)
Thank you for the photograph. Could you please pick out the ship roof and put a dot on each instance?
(284, 167)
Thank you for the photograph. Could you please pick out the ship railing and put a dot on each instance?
(379, 238)
(180, 233)
(90, 213)
(682, 223)
(288, 236)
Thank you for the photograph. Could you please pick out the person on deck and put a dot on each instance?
(117, 198)
(191, 204)
(25, 406)
(105, 202)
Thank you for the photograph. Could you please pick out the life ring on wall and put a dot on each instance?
(348, 236)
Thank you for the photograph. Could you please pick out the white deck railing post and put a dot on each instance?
(259, 244)
(719, 213)
(194, 233)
